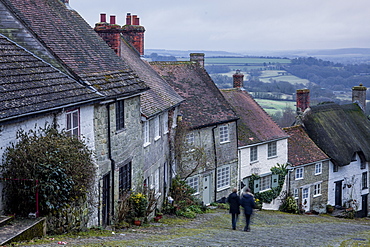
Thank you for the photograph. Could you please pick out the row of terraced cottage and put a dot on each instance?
(57, 70)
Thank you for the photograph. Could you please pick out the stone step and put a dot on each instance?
(20, 229)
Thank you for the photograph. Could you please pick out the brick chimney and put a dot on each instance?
(303, 100)
(134, 33)
(197, 57)
(110, 32)
(238, 79)
(359, 96)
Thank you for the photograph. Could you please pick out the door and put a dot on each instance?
(105, 199)
(364, 210)
(338, 193)
(207, 189)
(306, 199)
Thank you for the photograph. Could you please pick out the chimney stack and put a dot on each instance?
(238, 79)
(359, 96)
(112, 19)
(110, 32)
(303, 100)
(134, 33)
(103, 17)
(197, 57)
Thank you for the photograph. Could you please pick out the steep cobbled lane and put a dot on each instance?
(269, 228)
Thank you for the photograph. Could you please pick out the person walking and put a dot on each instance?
(247, 202)
(234, 201)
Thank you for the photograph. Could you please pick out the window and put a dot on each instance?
(296, 193)
(299, 173)
(174, 118)
(73, 123)
(120, 115)
(146, 133)
(254, 154)
(305, 195)
(165, 122)
(271, 149)
(157, 131)
(317, 190)
(265, 183)
(224, 133)
(335, 168)
(318, 168)
(124, 178)
(364, 180)
(190, 139)
(193, 182)
(223, 177)
(156, 181)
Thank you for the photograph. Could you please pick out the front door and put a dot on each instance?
(306, 199)
(364, 205)
(105, 199)
(207, 189)
(338, 193)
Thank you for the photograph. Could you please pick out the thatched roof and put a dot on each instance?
(339, 130)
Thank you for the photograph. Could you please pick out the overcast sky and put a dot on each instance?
(241, 25)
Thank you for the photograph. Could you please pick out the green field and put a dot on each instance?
(278, 76)
(273, 106)
(243, 60)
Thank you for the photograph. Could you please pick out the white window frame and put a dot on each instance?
(73, 123)
(271, 149)
(165, 122)
(364, 180)
(299, 173)
(253, 154)
(157, 129)
(174, 118)
(190, 139)
(156, 181)
(296, 193)
(224, 133)
(265, 183)
(223, 177)
(318, 168)
(146, 133)
(317, 190)
(193, 182)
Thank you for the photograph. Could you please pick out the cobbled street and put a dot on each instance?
(269, 228)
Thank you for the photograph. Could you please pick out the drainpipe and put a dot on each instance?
(111, 159)
(215, 153)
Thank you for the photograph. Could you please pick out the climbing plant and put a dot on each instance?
(61, 165)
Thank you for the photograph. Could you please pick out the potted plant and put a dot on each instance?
(139, 203)
(137, 221)
(329, 209)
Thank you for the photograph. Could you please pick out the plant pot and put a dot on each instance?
(137, 222)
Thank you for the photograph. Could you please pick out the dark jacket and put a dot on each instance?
(248, 203)
(234, 202)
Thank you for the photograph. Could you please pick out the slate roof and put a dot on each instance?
(75, 44)
(204, 104)
(254, 124)
(301, 149)
(339, 130)
(28, 84)
(161, 96)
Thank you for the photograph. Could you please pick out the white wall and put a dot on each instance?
(263, 164)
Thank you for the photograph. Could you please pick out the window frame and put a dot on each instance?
(224, 134)
(317, 189)
(318, 168)
(157, 128)
(272, 149)
(120, 115)
(165, 122)
(298, 175)
(193, 182)
(190, 138)
(364, 180)
(124, 178)
(265, 183)
(253, 154)
(223, 177)
(72, 118)
(146, 133)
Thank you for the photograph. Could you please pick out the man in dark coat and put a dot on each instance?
(234, 202)
(247, 202)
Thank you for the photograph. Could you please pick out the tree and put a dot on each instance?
(61, 165)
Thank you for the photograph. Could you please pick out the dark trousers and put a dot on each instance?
(247, 221)
(234, 220)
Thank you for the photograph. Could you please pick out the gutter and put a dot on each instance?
(215, 153)
(112, 161)
(265, 142)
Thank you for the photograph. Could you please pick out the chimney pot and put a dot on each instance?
(128, 19)
(197, 57)
(103, 17)
(112, 19)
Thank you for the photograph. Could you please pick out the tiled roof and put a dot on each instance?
(254, 125)
(339, 130)
(28, 84)
(161, 96)
(204, 104)
(301, 149)
(68, 37)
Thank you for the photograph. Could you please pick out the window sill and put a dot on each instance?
(157, 138)
(146, 144)
(264, 190)
(223, 188)
(224, 142)
(272, 157)
(318, 174)
(316, 195)
(253, 162)
(298, 179)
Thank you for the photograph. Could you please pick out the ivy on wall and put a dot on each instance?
(268, 195)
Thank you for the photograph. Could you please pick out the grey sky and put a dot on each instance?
(241, 25)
